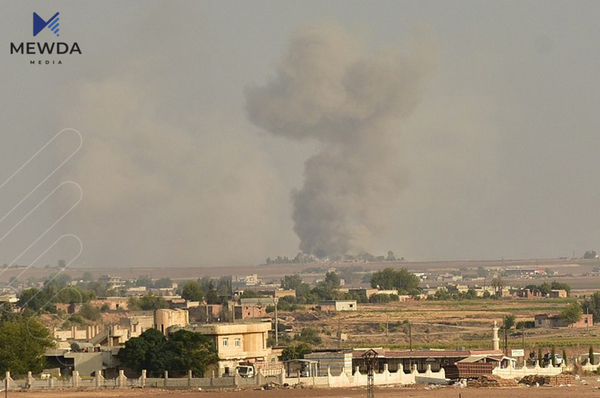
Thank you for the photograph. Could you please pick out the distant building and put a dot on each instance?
(137, 324)
(245, 280)
(558, 293)
(555, 321)
(207, 313)
(278, 293)
(338, 305)
(167, 318)
(75, 334)
(113, 303)
(111, 281)
(183, 303)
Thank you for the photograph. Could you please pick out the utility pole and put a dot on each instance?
(370, 357)
(276, 301)
(339, 332)
(587, 318)
(387, 325)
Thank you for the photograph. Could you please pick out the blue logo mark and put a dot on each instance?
(39, 24)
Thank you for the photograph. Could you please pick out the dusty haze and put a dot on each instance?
(221, 133)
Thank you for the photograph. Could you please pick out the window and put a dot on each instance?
(225, 342)
(238, 342)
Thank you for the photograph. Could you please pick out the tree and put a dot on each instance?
(248, 293)
(332, 280)
(163, 283)
(482, 272)
(498, 284)
(591, 355)
(211, 294)
(192, 291)
(592, 305)
(90, 312)
(191, 351)
(22, 346)
(590, 254)
(310, 335)
(291, 282)
(295, 351)
(560, 286)
(564, 355)
(148, 302)
(553, 356)
(88, 276)
(571, 314)
(185, 351)
(62, 264)
(508, 322)
(145, 352)
(390, 256)
(144, 280)
(389, 278)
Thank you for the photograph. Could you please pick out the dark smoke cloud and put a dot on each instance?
(328, 89)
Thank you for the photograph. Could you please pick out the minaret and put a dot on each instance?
(495, 338)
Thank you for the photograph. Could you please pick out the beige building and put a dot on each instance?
(237, 342)
(338, 305)
(166, 318)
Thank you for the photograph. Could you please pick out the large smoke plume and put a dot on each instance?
(327, 89)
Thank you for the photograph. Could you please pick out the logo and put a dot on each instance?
(39, 24)
(45, 52)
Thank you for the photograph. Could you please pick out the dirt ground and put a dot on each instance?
(590, 387)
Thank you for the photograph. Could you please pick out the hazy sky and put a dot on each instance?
(496, 153)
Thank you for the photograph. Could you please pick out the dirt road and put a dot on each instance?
(590, 390)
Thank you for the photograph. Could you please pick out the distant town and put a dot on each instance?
(303, 320)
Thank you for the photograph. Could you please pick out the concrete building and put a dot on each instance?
(338, 305)
(555, 321)
(278, 292)
(245, 280)
(250, 311)
(207, 313)
(337, 361)
(113, 303)
(237, 342)
(137, 324)
(75, 334)
(558, 293)
(167, 318)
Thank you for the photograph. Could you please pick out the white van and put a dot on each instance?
(245, 371)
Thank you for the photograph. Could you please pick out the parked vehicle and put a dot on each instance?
(245, 371)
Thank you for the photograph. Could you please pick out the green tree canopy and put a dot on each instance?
(22, 346)
(148, 302)
(184, 351)
(590, 254)
(572, 313)
(291, 282)
(192, 291)
(508, 322)
(332, 280)
(191, 351)
(295, 351)
(90, 312)
(389, 278)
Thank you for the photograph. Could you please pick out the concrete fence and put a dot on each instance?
(514, 372)
(344, 379)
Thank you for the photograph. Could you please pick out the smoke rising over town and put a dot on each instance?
(328, 89)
